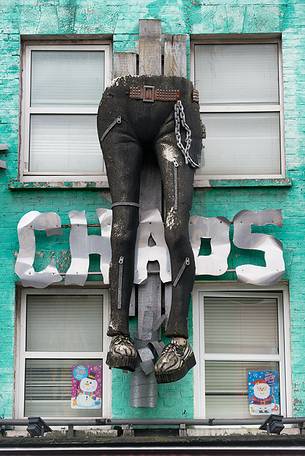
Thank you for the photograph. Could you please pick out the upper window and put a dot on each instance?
(62, 345)
(241, 107)
(62, 87)
(240, 340)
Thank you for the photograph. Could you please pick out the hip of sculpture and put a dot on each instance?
(158, 114)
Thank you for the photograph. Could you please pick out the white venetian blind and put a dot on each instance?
(237, 73)
(65, 144)
(63, 323)
(227, 388)
(66, 87)
(48, 388)
(241, 325)
(67, 77)
(240, 107)
(241, 143)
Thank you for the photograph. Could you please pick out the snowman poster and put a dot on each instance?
(263, 392)
(86, 391)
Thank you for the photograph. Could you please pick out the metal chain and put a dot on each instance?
(180, 121)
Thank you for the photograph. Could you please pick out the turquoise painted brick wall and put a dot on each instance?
(120, 19)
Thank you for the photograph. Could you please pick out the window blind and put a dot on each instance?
(241, 143)
(66, 86)
(48, 388)
(65, 144)
(64, 78)
(64, 323)
(241, 108)
(237, 73)
(227, 389)
(241, 325)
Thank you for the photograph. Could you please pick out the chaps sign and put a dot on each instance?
(216, 229)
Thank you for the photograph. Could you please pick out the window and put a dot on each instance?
(62, 88)
(241, 107)
(236, 334)
(61, 340)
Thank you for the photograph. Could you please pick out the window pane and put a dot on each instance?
(67, 77)
(48, 387)
(64, 323)
(227, 387)
(240, 325)
(65, 144)
(241, 144)
(237, 73)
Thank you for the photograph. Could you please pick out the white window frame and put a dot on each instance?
(228, 289)
(26, 110)
(201, 179)
(22, 355)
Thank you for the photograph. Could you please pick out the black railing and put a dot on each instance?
(36, 426)
(153, 422)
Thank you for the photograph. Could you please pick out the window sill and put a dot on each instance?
(64, 185)
(15, 184)
(240, 183)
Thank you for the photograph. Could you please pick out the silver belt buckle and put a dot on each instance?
(149, 93)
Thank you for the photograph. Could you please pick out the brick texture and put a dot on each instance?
(120, 19)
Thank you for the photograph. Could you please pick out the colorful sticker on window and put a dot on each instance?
(263, 392)
(86, 389)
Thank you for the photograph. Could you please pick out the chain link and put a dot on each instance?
(181, 122)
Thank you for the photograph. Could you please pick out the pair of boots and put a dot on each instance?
(176, 359)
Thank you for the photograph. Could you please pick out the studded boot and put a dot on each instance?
(174, 363)
(122, 353)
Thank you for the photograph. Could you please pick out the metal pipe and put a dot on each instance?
(157, 422)
(22, 422)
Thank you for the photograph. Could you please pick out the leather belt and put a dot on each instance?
(150, 94)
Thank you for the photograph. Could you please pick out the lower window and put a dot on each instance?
(240, 344)
(62, 346)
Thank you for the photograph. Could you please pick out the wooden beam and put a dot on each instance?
(149, 294)
(150, 63)
(175, 55)
(144, 387)
(150, 46)
(124, 63)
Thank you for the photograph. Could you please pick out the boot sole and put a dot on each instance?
(168, 377)
(125, 363)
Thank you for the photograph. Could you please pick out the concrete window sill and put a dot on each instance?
(95, 185)
(17, 185)
(239, 183)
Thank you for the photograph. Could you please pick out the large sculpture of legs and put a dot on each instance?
(130, 127)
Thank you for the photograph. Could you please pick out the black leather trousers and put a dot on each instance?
(128, 130)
